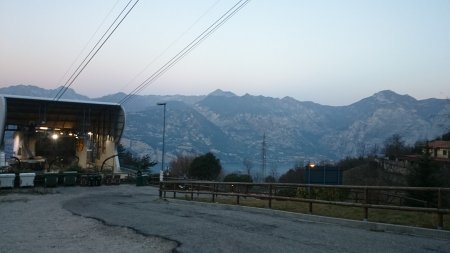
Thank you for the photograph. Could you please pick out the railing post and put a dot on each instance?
(174, 190)
(246, 191)
(310, 197)
(440, 215)
(366, 209)
(365, 201)
(270, 195)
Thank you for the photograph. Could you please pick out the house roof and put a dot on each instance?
(439, 144)
(415, 158)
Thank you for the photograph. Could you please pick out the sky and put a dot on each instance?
(328, 52)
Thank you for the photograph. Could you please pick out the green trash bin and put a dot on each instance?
(116, 179)
(108, 179)
(50, 179)
(84, 180)
(94, 179)
(141, 180)
(70, 178)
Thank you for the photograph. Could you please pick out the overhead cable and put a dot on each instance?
(169, 46)
(95, 49)
(88, 43)
(180, 55)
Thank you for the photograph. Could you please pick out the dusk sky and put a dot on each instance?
(329, 52)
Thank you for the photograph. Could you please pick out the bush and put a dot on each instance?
(270, 179)
(287, 192)
(234, 177)
(329, 194)
(296, 175)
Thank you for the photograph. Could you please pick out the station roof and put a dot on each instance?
(66, 115)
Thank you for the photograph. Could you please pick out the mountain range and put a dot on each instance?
(234, 127)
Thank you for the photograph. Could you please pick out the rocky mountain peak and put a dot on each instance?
(35, 91)
(388, 96)
(221, 93)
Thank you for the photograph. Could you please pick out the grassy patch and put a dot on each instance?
(409, 218)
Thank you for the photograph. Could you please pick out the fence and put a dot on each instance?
(418, 199)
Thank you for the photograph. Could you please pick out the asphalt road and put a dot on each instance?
(197, 227)
(33, 220)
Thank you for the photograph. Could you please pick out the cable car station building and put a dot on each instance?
(45, 132)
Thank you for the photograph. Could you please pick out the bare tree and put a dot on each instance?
(394, 147)
(274, 172)
(179, 167)
(374, 150)
(361, 149)
(273, 175)
(248, 165)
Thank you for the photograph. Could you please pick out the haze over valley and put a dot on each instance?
(232, 127)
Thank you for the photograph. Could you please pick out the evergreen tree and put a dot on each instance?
(205, 167)
(425, 174)
(127, 159)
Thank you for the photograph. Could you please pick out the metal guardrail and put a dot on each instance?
(365, 197)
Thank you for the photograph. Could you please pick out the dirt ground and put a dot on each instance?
(33, 220)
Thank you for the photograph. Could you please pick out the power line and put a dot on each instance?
(170, 45)
(180, 55)
(219, 22)
(94, 51)
(88, 43)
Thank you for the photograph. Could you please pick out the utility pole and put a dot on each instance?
(264, 158)
(163, 141)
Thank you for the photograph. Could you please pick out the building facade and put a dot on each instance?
(45, 132)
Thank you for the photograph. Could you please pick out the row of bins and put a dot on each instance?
(68, 178)
(9, 180)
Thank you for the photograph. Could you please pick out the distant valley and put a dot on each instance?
(232, 127)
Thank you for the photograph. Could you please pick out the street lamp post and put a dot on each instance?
(164, 136)
(310, 166)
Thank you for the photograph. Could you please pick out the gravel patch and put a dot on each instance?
(34, 221)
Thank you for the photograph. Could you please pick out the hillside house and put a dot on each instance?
(438, 150)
